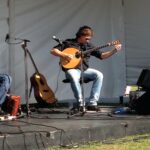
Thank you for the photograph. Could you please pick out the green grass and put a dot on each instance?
(137, 142)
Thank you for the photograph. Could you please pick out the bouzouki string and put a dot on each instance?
(101, 47)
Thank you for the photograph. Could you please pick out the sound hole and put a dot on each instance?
(77, 55)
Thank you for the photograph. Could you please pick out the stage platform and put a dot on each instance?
(46, 127)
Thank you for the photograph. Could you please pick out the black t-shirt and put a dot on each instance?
(81, 47)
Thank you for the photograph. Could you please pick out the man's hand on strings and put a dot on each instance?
(118, 47)
(67, 57)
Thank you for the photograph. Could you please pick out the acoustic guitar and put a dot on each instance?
(76, 59)
(42, 92)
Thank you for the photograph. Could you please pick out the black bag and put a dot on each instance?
(140, 102)
(144, 80)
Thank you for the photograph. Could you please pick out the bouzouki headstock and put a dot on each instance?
(116, 42)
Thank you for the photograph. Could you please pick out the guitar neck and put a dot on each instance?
(96, 48)
(36, 69)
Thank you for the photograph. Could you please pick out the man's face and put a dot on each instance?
(84, 39)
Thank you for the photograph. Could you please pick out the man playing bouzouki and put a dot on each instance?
(71, 51)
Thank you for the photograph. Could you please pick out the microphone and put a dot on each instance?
(7, 37)
(25, 40)
(56, 39)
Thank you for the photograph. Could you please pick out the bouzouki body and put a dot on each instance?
(76, 55)
(74, 62)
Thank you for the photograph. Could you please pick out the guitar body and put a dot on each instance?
(42, 91)
(74, 62)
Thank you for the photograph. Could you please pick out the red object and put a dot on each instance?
(13, 105)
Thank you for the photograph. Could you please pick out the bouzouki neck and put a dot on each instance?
(77, 54)
(100, 47)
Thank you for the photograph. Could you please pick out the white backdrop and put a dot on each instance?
(4, 51)
(137, 35)
(39, 20)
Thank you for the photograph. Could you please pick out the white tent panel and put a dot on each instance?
(4, 52)
(38, 21)
(137, 23)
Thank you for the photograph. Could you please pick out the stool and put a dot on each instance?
(84, 81)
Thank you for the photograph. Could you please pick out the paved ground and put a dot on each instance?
(48, 127)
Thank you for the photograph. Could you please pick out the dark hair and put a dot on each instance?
(83, 31)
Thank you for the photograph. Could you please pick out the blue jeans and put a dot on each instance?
(97, 77)
(5, 83)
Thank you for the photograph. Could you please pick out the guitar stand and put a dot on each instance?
(80, 111)
(75, 112)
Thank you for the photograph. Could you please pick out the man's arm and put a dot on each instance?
(57, 52)
(108, 54)
(61, 54)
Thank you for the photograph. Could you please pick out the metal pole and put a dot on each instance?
(11, 26)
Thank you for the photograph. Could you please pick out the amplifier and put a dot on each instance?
(13, 105)
(144, 79)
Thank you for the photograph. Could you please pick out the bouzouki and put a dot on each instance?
(76, 59)
(42, 92)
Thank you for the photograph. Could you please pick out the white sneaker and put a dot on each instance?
(81, 103)
(92, 103)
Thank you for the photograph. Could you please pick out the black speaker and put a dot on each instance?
(140, 102)
(144, 79)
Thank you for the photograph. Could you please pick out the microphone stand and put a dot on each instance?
(81, 109)
(23, 43)
(24, 46)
